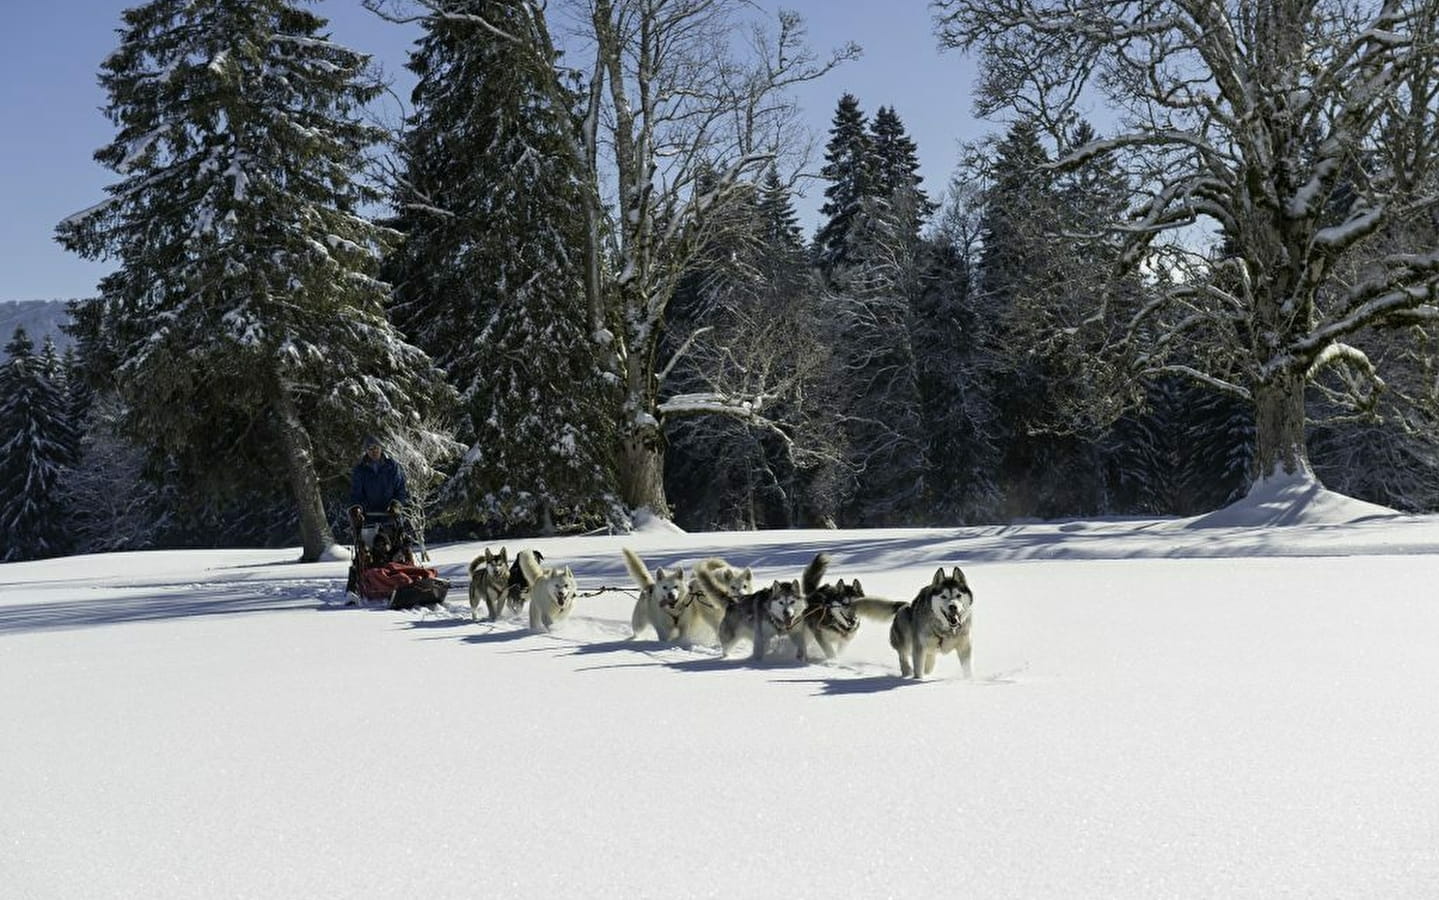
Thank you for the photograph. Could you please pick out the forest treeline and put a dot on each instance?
(587, 291)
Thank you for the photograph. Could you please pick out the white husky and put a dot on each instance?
(664, 604)
(936, 621)
(552, 591)
(726, 583)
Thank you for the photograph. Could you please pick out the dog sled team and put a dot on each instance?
(722, 599)
(717, 598)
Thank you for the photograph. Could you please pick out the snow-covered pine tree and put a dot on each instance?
(247, 327)
(780, 228)
(961, 449)
(897, 161)
(37, 441)
(1018, 269)
(490, 278)
(872, 297)
(849, 168)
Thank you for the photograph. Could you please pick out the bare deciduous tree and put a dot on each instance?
(1305, 130)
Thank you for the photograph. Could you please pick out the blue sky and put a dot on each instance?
(51, 123)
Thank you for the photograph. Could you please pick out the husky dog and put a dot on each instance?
(517, 590)
(936, 621)
(489, 576)
(727, 583)
(552, 591)
(665, 603)
(775, 610)
(832, 611)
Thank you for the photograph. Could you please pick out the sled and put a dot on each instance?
(382, 561)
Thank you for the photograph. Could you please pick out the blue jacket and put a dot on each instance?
(374, 484)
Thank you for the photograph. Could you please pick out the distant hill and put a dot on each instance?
(38, 318)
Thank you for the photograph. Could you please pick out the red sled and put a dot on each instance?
(403, 586)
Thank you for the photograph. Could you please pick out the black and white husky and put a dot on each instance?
(726, 583)
(936, 621)
(664, 604)
(775, 610)
(833, 611)
(552, 590)
(489, 579)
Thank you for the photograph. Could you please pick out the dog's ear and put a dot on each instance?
(957, 575)
(857, 589)
(660, 574)
(938, 577)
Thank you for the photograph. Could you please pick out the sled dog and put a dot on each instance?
(665, 603)
(517, 590)
(833, 611)
(489, 581)
(936, 621)
(552, 590)
(775, 610)
(728, 583)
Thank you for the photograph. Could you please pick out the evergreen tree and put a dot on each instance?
(1014, 266)
(249, 340)
(897, 161)
(850, 170)
(877, 366)
(960, 450)
(1043, 269)
(38, 445)
(490, 280)
(779, 223)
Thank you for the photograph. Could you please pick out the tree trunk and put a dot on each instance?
(642, 469)
(315, 534)
(1279, 426)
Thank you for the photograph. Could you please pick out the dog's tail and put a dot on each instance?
(529, 566)
(714, 591)
(876, 608)
(638, 572)
(814, 573)
(479, 562)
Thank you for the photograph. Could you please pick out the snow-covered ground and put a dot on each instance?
(1237, 706)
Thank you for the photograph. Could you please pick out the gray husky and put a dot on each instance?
(832, 611)
(489, 575)
(936, 621)
(664, 604)
(552, 590)
(775, 610)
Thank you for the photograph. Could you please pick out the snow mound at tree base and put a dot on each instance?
(335, 553)
(1297, 499)
(646, 522)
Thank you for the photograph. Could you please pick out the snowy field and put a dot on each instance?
(1244, 705)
